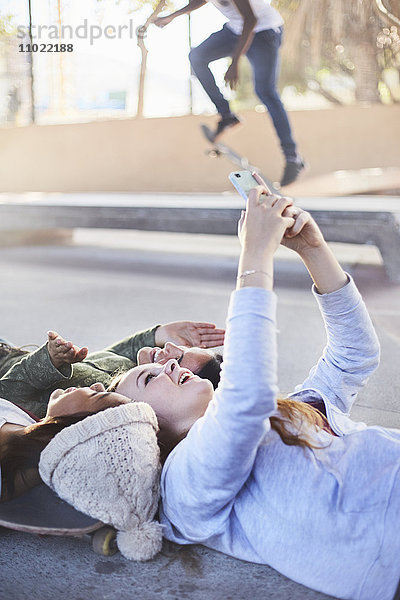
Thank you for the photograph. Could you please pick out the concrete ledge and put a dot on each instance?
(360, 220)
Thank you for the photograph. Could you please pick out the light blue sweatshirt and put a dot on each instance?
(328, 518)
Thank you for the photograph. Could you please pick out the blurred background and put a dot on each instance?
(80, 120)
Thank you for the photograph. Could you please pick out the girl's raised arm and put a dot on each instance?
(352, 350)
(208, 468)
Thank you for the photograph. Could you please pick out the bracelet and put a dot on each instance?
(251, 272)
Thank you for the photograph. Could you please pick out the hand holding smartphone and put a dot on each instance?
(244, 181)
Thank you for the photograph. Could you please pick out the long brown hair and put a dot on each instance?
(21, 451)
(293, 415)
(297, 421)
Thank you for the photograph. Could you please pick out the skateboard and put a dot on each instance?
(41, 511)
(219, 149)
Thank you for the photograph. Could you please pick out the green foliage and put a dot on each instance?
(7, 27)
(349, 39)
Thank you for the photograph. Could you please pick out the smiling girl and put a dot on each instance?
(293, 483)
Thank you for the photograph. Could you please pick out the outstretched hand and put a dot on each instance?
(305, 233)
(190, 333)
(263, 224)
(62, 352)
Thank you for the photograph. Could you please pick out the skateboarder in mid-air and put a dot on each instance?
(254, 28)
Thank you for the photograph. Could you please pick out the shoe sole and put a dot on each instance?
(228, 127)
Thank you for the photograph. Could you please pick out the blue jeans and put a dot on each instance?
(263, 55)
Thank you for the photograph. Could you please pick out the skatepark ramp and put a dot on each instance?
(355, 220)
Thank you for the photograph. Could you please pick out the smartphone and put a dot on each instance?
(244, 181)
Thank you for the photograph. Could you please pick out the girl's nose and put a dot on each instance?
(170, 366)
(170, 349)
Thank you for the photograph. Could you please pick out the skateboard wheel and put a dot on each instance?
(104, 541)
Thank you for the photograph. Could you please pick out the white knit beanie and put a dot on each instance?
(107, 466)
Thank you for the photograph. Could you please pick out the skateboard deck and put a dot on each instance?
(219, 149)
(41, 511)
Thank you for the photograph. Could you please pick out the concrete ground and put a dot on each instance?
(104, 286)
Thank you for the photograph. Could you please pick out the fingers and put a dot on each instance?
(200, 325)
(213, 337)
(62, 348)
(216, 332)
(268, 218)
(56, 341)
(261, 195)
(300, 222)
(209, 330)
(255, 196)
(216, 335)
(289, 222)
(281, 204)
(81, 354)
(208, 335)
(231, 79)
(61, 351)
(261, 182)
(301, 218)
(212, 343)
(292, 211)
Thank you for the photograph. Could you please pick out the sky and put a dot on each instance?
(93, 71)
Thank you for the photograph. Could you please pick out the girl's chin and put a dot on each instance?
(195, 380)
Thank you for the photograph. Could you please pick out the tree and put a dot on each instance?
(337, 35)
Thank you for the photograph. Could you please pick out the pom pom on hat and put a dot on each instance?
(107, 466)
(142, 543)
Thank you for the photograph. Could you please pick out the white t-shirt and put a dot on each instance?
(9, 413)
(267, 17)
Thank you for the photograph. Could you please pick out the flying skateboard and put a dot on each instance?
(219, 149)
(42, 512)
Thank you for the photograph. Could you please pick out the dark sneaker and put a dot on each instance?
(292, 171)
(226, 123)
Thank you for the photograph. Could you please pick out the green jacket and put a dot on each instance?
(28, 379)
